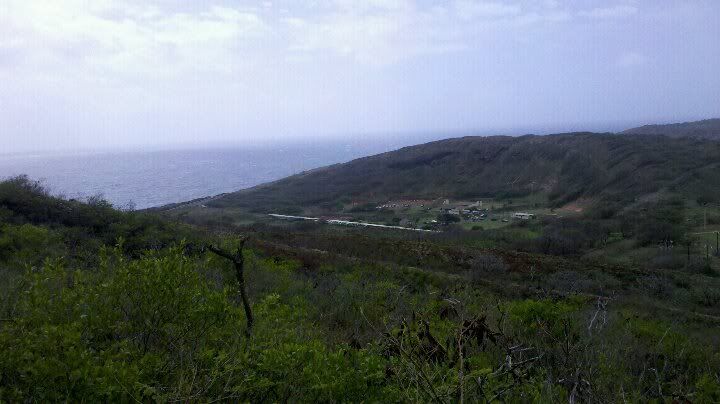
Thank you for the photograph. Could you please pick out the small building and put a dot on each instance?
(523, 216)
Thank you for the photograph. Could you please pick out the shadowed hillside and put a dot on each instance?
(705, 129)
(567, 167)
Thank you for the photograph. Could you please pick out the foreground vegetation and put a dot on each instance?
(103, 305)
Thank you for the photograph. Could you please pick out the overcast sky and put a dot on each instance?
(100, 73)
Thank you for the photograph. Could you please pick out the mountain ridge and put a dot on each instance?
(606, 167)
(704, 129)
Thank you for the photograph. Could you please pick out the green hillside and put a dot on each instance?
(705, 129)
(211, 301)
(596, 168)
(100, 305)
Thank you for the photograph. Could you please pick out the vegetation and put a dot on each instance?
(599, 171)
(104, 305)
(705, 129)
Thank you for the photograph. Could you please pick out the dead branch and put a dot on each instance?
(601, 309)
(239, 264)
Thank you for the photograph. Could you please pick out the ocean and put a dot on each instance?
(143, 179)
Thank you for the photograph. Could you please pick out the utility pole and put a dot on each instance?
(717, 243)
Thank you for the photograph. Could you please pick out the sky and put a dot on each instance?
(101, 74)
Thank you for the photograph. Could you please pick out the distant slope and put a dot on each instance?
(706, 129)
(601, 167)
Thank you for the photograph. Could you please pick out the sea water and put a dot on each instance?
(143, 179)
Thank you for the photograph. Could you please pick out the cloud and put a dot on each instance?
(125, 37)
(134, 71)
(373, 5)
(542, 17)
(619, 11)
(631, 59)
(376, 32)
(162, 39)
(384, 32)
(551, 3)
(469, 9)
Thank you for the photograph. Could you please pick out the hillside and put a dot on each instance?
(705, 129)
(101, 305)
(565, 167)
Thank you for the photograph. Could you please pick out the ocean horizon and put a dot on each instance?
(143, 179)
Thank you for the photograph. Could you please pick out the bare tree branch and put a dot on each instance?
(239, 263)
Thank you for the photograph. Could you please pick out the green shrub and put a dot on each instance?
(536, 315)
(28, 245)
(132, 329)
(708, 389)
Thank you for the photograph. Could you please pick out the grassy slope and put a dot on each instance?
(163, 325)
(706, 129)
(602, 167)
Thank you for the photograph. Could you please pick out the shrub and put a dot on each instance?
(482, 266)
(134, 329)
(532, 316)
(28, 245)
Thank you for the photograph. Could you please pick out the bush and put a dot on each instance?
(134, 329)
(707, 297)
(662, 222)
(446, 218)
(531, 316)
(28, 245)
(484, 266)
(156, 329)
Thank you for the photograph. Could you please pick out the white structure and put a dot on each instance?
(290, 217)
(382, 226)
(522, 215)
(347, 223)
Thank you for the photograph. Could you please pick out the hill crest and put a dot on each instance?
(705, 129)
(607, 168)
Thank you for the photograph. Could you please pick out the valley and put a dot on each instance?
(575, 255)
(384, 201)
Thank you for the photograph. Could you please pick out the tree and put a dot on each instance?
(239, 263)
(446, 218)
